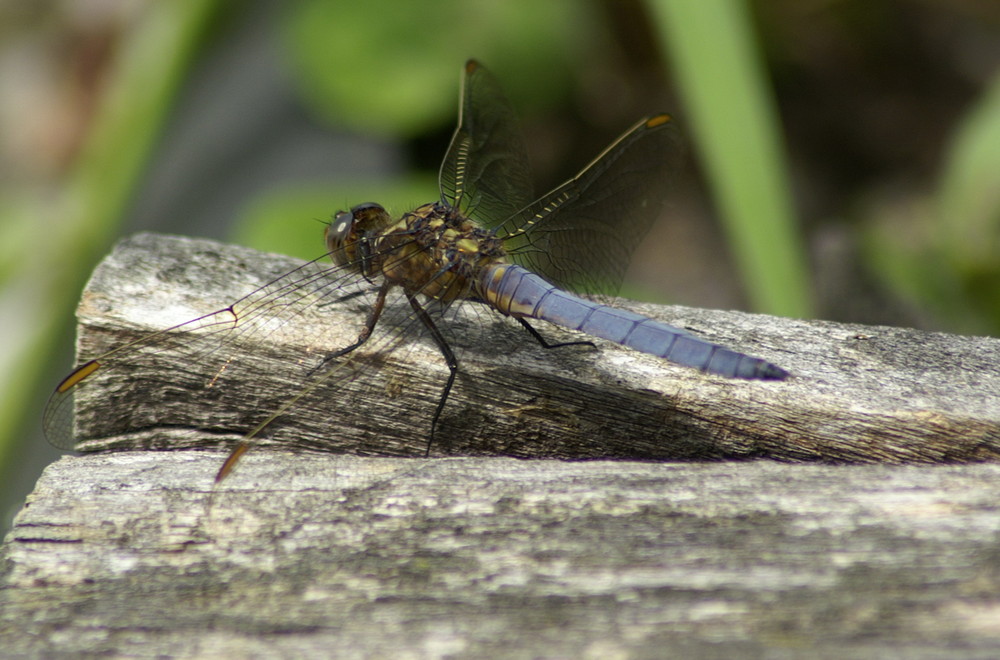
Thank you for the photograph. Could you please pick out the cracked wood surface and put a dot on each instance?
(304, 553)
(857, 393)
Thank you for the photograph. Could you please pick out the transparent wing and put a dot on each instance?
(240, 369)
(581, 235)
(485, 173)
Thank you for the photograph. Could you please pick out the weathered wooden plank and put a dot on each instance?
(132, 553)
(136, 553)
(858, 393)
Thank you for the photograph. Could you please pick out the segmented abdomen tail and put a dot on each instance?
(518, 292)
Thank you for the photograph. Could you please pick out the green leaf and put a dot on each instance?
(381, 66)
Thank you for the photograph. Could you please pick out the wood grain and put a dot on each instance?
(858, 393)
(299, 555)
(887, 553)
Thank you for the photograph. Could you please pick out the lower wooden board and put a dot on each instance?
(876, 547)
(306, 555)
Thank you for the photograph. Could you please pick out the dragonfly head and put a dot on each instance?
(347, 236)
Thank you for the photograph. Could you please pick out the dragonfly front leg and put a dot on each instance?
(449, 358)
(373, 316)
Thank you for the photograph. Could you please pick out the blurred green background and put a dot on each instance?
(842, 156)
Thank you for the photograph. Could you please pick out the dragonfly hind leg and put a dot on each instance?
(541, 340)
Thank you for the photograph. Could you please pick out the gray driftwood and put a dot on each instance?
(858, 393)
(298, 555)
(306, 554)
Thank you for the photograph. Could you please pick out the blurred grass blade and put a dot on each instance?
(968, 207)
(736, 134)
(72, 229)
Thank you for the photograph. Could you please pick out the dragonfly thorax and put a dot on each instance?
(437, 252)
(433, 250)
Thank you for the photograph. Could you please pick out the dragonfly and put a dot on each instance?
(487, 241)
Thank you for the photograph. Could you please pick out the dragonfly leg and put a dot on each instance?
(366, 331)
(449, 358)
(541, 340)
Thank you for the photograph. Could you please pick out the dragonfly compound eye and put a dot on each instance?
(337, 234)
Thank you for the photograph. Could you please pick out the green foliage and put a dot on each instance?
(391, 68)
(942, 252)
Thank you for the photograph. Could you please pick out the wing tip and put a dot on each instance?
(659, 120)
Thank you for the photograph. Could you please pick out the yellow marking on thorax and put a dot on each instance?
(467, 245)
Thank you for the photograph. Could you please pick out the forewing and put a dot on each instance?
(485, 173)
(277, 366)
(190, 371)
(581, 235)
